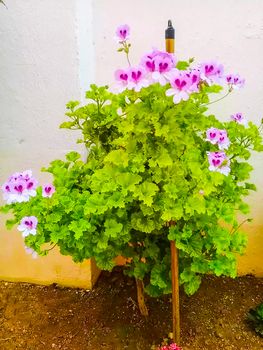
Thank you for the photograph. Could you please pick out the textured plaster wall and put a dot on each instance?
(229, 31)
(45, 48)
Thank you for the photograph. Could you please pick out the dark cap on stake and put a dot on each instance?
(169, 37)
(169, 32)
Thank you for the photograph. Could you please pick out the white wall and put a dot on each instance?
(40, 72)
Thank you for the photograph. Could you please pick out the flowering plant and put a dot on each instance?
(160, 167)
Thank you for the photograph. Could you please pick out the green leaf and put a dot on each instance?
(182, 65)
(72, 156)
(112, 228)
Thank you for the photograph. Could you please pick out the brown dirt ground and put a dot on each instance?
(51, 317)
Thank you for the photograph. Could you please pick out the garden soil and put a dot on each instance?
(36, 317)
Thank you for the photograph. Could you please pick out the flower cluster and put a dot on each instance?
(235, 81)
(218, 137)
(183, 83)
(212, 73)
(219, 162)
(239, 118)
(19, 187)
(160, 67)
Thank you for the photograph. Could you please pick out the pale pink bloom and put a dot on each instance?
(158, 64)
(238, 118)
(211, 72)
(235, 81)
(212, 135)
(201, 192)
(148, 63)
(223, 141)
(180, 84)
(219, 137)
(15, 177)
(20, 187)
(48, 190)
(122, 78)
(28, 226)
(137, 78)
(194, 76)
(123, 33)
(18, 192)
(219, 162)
(26, 175)
(31, 185)
(31, 252)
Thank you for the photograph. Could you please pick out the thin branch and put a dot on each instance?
(47, 250)
(238, 227)
(221, 98)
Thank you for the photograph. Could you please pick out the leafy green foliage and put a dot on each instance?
(255, 318)
(146, 182)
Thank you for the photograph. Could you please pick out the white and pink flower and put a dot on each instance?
(48, 190)
(157, 64)
(212, 72)
(219, 162)
(180, 86)
(19, 187)
(137, 79)
(212, 135)
(28, 226)
(239, 118)
(218, 137)
(122, 33)
(122, 79)
(31, 252)
(194, 76)
(235, 81)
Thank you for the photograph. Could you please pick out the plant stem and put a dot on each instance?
(242, 223)
(221, 98)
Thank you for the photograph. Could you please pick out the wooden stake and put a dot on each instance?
(175, 292)
(169, 44)
(140, 296)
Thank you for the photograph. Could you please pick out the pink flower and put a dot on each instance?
(211, 72)
(194, 76)
(19, 187)
(219, 137)
(223, 141)
(28, 226)
(235, 81)
(212, 135)
(180, 84)
(158, 64)
(148, 63)
(219, 162)
(122, 77)
(48, 190)
(31, 252)
(137, 78)
(238, 118)
(122, 33)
